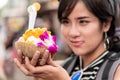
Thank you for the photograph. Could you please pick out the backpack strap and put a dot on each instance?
(69, 63)
(109, 67)
(113, 69)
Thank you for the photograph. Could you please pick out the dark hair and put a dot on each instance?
(102, 9)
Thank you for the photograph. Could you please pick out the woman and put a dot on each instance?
(88, 27)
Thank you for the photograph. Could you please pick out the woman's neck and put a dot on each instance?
(89, 58)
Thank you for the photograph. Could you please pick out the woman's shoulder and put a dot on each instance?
(115, 59)
(117, 73)
(110, 69)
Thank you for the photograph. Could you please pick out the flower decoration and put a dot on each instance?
(48, 40)
(41, 37)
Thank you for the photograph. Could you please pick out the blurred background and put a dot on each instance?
(13, 23)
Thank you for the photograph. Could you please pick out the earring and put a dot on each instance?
(106, 45)
(106, 37)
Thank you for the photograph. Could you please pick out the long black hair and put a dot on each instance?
(102, 9)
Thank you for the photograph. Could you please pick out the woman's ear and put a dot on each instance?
(107, 25)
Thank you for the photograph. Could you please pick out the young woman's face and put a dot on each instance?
(82, 31)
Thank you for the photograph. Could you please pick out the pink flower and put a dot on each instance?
(52, 48)
(40, 44)
(54, 39)
(44, 36)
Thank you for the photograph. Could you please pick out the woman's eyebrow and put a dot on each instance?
(83, 17)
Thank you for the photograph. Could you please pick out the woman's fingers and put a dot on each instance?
(44, 59)
(20, 56)
(35, 58)
(40, 58)
(50, 61)
(28, 65)
(35, 70)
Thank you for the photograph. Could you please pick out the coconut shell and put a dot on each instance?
(28, 49)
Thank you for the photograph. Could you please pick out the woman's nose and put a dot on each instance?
(74, 31)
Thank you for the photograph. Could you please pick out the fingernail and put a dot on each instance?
(15, 60)
(18, 50)
(46, 51)
(26, 58)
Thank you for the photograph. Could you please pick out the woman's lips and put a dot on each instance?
(77, 43)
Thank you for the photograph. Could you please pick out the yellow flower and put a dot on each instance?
(36, 32)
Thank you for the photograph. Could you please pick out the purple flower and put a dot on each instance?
(54, 38)
(52, 48)
(40, 44)
(44, 36)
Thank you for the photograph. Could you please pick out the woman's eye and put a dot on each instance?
(64, 21)
(83, 22)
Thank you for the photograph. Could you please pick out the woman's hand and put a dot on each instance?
(36, 60)
(49, 71)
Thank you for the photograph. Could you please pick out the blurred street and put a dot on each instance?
(13, 23)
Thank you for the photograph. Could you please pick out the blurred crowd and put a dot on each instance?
(13, 23)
